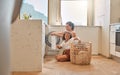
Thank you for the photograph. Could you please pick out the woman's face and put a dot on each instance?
(67, 36)
(68, 28)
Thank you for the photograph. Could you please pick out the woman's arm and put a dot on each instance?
(75, 39)
(60, 34)
(61, 45)
(73, 34)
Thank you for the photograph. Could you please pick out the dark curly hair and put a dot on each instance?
(63, 38)
(70, 24)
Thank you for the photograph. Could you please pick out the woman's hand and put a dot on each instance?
(77, 38)
(59, 47)
(53, 33)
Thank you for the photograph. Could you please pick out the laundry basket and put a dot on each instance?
(80, 53)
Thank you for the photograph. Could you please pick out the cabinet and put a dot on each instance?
(27, 45)
(112, 40)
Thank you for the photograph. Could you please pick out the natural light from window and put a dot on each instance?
(34, 9)
(75, 11)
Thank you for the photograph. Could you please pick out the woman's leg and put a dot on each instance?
(62, 58)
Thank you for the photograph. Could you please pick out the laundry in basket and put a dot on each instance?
(80, 53)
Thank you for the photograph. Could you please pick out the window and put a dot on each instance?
(75, 11)
(34, 9)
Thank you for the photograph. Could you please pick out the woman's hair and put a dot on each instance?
(63, 38)
(70, 24)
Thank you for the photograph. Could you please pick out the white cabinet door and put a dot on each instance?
(112, 40)
(112, 28)
(112, 37)
(112, 49)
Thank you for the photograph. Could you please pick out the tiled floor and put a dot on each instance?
(99, 66)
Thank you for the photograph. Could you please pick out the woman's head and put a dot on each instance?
(69, 26)
(67, 36)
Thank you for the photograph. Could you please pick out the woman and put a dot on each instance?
(65, 45)
(69, 28)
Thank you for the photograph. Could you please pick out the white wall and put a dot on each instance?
(102, 18)
(115, 11)
(27, 45)
(92, 34)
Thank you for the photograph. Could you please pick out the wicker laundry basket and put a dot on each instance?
(80, 53)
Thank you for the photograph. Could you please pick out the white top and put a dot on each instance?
(66, 45)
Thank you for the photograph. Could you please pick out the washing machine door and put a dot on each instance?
(16, 10)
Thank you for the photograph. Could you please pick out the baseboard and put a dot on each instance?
(116, 58)
(52, 52)
(109, 57)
